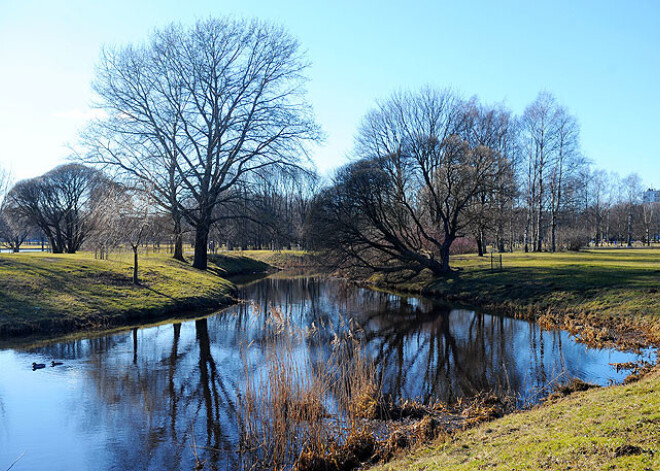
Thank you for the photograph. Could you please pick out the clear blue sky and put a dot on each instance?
(600, 58)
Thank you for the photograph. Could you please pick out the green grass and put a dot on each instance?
(42, 293)
(283, 259)
(234, 263)
(586, 430)
(603, 289)
(599, 295)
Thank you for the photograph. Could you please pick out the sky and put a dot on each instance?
(601, 59)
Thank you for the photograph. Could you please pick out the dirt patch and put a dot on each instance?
(628, 450)
(574, 385)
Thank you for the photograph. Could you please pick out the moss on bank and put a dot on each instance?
(605, 428)
(47, 293)
(600, 295)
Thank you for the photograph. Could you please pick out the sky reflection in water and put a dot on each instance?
(141, 399)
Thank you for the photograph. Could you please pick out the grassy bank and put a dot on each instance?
(46, 293)
(602, 296)
(282, 259)
(605, 428)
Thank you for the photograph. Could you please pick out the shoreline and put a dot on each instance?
(45, 296)
(593, 332)
(615, 307)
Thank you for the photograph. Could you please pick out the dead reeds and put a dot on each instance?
(314, 401)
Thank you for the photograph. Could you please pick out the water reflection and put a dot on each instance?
(162, 397)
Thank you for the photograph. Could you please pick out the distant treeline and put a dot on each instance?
(205, 138)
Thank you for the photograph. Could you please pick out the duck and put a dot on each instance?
(56, 363)
(38, 366)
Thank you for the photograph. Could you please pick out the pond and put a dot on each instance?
(154, 398)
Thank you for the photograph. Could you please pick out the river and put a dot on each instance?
(152, 398)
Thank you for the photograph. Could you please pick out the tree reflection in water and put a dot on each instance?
(153, 398)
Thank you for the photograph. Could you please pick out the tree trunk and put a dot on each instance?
(539, 235)
(444, 254)
(201, 246)
(526, 235)
(481, 243)
(136, 281)
(554, 231)
(630, 228)
(178, 248)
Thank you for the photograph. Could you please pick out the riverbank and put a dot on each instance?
(53, 294)
(604, 428)
(604, 297)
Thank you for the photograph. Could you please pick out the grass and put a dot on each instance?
(233, 264)
(604, 428)
(283, 259)
(44, 293)
(595, 293)
(600, 296)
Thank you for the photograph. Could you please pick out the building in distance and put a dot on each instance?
(652, 196)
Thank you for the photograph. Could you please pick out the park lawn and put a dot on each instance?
(283, 259)
(606, 428)
(594, 293)
(44, 293)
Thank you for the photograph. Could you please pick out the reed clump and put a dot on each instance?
(314, 401)
(484, 408)
(306, 404)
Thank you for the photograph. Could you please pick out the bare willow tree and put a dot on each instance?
(14, 226)
(417, 176)
(60, 203)
(196, 109)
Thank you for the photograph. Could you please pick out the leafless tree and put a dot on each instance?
(409, 194)
(107, 228)
(538, 123)
(137, 223)
(60, 203)
(650, 216)
(492, 127)
(195, 110)
(14, 228)
(632, 191)
(564, 163)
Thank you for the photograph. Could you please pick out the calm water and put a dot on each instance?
(142, 399)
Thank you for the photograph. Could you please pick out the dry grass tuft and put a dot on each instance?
(574, 385)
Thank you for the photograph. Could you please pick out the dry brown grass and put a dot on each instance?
(311, 412)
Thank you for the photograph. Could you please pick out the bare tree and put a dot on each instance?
(563, 164)
(538, 121)
(632, 191)
(14, 228)
(5, 186)
(650, 213)
(137, 223)
(595, 186)
(409, 195)
(107, 225)
(60, 203)
(196, 109)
